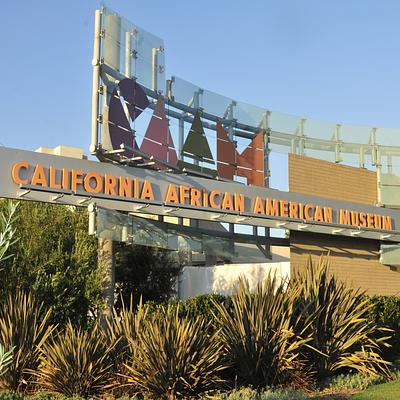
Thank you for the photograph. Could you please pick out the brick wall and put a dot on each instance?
(353, 260)
(325, 179)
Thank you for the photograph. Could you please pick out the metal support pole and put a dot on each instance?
(389, 164)
(181, 137)
(95, 83)
(302, 136)
(106, 259)
(362, 157)
(128, 54)
(154, 77)
(92, 218)
(374, 150)
(337, 145)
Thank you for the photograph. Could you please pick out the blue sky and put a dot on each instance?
(335, 60)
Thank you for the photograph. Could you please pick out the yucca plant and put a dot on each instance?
(5, 359)
(76, 362)
(24, 326)
(258, 335)
(7, 231)
(175, 357)
(336, 320)
(121, 333)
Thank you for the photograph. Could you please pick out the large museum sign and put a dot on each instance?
(42, 177)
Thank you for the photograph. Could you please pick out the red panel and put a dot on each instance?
(249, 164)
(158, 140)
(226, 154)
(251, 161)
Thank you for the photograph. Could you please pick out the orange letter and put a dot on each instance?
(76, 179)
(239, 202)
(147, 191)
(53, 176)
(195, 195)
(328, 214)
(172, 194)
(293, 210)
(258, 206)
(15, 173)
(344, 217)
(284, 208)
(318, 214)
(387, 223)
(183, 194)
(213, 195)
(39, 177)
(110, 182)
(271, 207)
(86, 183)
(307, 209)
(125, 186)
(227, 203)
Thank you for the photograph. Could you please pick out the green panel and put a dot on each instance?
(196, 145)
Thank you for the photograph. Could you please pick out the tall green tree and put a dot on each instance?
(145, 272)
(55, 259)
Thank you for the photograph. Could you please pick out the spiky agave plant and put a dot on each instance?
(5, 359)
(258, 334)
(335, 318)
(24, 326)
(176, 357)
(76, 362)
(121, 333)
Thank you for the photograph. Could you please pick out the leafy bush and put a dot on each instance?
(175, 357)
(385, 311)
(345, 382)
(251, 394)
(145, 272)
(76, 362)
(24, 326)
(10, 395)
(258, 335)
(335, 319)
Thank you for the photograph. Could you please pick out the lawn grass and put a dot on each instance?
(385, 391)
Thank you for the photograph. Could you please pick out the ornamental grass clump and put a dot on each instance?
(25, 327)
(175, 357)
(76, 362)
(258, 335)
(335, 318)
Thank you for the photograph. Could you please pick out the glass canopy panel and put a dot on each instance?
(355, 134)
(284, 123)
(388, 136)
(184, 92)
(320, 129)
(132, 51)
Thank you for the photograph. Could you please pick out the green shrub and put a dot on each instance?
(385, 311)
(346, 382)
(10, 395)
(203, 305)
(335, 318)
(76, 362)
(175, 357)
(258, 335)
(251, 394)
(24, 326)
